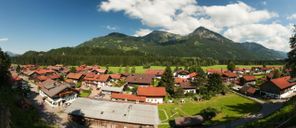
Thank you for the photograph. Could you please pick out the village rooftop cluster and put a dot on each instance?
(129, 99)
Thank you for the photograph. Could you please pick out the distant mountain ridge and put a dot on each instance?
(202, 43)
(11, 54)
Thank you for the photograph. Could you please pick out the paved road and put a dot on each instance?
(267, 108)
(49, 114)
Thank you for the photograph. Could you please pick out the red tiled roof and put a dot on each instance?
(15, 77)
(74, 76)
(139, 78)
(157, 72)
(193, 74)
(90, 75)
(54, 76)
(249, 78)
(283, 82)
(218, 71)
(182, 72)
(42, 78)
(151, 91)
(180, 80)
(102, 77)
(43, 71)
(251, 90)
(229, 74)
(100, 70)
(115, 76)
(128, 97)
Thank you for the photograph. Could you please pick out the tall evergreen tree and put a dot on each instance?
(231, 66)
(4, 66)
(276, 74)
(73, 69)
(18, 69)
(215, 83)
(292, 54)
(133, 70)
(167, 80)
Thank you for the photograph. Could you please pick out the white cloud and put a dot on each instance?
(292, 17)
(142, 32)
(236, 14)
(3, 39)
(183, 17)
(112, 28)
(274, 36)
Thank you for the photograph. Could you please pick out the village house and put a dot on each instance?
(110, 114)
(278, 88)
(99, 71)
(108, 90)
(182, 74)
(156, 72)
(28, 74)
(115, 77)
(17, 81)
(103, 80)
(56, 93)
(153, 95)
(248, 90)
(74, 77)
(192, 75)
(90, 80)
(217, 71)
(127, 97)
(185, 85)
(229, 76)
(248, 80)
(139, 79)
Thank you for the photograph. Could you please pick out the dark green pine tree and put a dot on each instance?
(18, 69)
(167, 80)
(133, 70)
(231, 66)
(292, 54)
(215, 83)
(4, 66)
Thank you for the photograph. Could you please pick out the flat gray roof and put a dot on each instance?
(115, 111)
(112, 89)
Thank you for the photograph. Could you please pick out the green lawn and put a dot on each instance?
(140, 69)
(84, 93)
(231, 106)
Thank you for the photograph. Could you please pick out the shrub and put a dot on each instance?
(209, 113)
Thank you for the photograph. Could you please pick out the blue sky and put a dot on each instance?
(41, 25)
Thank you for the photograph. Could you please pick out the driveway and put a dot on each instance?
(49, 114)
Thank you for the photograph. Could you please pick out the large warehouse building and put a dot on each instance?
(110, 114)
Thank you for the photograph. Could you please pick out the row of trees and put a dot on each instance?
(207, 85)
(114, 60)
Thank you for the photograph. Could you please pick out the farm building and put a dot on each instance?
(110, 114)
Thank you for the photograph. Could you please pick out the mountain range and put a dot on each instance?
(202, 43)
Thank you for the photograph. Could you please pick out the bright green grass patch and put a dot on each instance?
(140, 69)
(231, 106)
(84, 93)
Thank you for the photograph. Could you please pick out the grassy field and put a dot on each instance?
(140, 69)
(231, 106)
(84, 93)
